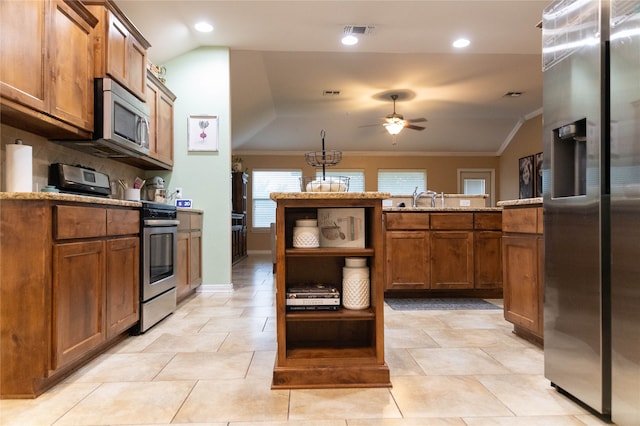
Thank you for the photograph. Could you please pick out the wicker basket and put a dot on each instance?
(328, 184)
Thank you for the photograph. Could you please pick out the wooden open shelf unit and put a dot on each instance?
(328, 349)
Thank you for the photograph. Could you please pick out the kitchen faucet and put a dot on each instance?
(416, 196)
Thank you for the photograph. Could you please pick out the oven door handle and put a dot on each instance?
(161, 222)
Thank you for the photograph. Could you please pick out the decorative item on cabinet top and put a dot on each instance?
(236, 165)
(158, 70)
(341, 227)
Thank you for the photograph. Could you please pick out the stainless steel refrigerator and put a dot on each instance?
(625, 211)
(591, 63)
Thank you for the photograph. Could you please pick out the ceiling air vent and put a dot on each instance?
(512, 94)
(330, 92)
(359, 29)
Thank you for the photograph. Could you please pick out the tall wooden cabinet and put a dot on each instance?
(238, 216)
(322, 349)
(47, 71)
(523, 259)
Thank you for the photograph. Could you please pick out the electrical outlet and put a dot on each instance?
(178, 193)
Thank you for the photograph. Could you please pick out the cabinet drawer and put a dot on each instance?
(452, 221)
(79, 222)
(196, 221)
(123, 222)
(185, 222)
(407, 220)
(487, 221)
(523, 220)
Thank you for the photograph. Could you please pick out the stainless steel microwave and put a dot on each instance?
(121, 123)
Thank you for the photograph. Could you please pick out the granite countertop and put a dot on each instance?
(57, 196)
(522, 202)
(329, 195)
(441, 209)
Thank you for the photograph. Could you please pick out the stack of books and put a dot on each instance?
(312, 297)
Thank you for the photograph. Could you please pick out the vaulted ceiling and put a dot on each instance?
(286, 54)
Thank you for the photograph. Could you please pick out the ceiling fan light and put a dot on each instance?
(395, 126)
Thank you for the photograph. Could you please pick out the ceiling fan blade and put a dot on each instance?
(413, 127)
(417, 120)
(370, 125)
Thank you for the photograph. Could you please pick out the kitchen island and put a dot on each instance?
(443, 251)
(337, 347)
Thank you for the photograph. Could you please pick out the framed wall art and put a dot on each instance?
(539, 174)
(526, 180)
(202, 133)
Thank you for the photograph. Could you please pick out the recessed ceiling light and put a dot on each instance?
(203, 27)
(349, 40)
(461, 42)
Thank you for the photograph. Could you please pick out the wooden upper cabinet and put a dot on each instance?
(24, 50)
(120, 49)
(72, 62)
(47, 69)
(160, 101)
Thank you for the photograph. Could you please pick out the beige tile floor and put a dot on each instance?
(210, 363)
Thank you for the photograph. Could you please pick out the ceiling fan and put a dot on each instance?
(396, 122)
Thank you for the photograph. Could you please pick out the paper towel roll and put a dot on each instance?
(18, 168)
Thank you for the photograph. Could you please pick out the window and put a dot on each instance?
(263, 183)
(401, 182)
(477, 181)
(356, 178)
(474, 186)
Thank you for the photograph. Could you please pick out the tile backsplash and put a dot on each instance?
(45, 153)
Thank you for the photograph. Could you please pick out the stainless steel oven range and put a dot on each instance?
(158, 245)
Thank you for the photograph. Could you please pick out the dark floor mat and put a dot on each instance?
(434, 304)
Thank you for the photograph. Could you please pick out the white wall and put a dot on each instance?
(200, 81)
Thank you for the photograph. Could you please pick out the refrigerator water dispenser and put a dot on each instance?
(570, 160)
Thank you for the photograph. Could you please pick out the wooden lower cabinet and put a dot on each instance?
(523, 260)
(123, 284)
(78, 300)
(189, 247)
(445, 252)
(451, 260)
(70, 285)
(406, 265)
(487, 257)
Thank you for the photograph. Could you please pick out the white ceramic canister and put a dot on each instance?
(306, 234)
(355, 284)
